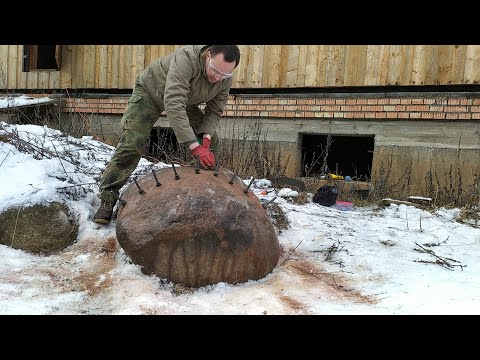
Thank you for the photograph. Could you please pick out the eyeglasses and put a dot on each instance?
(218, 72)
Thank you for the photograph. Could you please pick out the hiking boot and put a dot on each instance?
(104, 213)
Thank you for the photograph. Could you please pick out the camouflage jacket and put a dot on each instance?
(178, 80)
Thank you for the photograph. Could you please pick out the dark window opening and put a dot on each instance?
(341, 155)
(42, 57)
(46, 57)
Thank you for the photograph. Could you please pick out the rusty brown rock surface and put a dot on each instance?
(197, 230)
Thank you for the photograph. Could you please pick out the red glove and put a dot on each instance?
(206, 143)
(207, 160)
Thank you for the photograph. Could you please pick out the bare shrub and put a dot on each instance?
(381, 181)
(318, 157)
(248, 153)
(52, 116)
(167, 149)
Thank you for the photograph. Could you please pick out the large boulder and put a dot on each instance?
(197, 230)
(41, 229)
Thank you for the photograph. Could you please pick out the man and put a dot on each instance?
(176, 83)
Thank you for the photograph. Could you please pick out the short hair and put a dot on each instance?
(230, 53)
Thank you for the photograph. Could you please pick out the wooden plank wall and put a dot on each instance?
(261, 66)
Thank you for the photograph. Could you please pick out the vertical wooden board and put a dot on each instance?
(21, 75)
(151, 57)
(395, 65)
(321, 65)
(351, 64)
(129, 65)
(89, 66)
(3, 66)
(302, 63)
(66, 67)
(383, 64)
(12, 66)
(355, 61)
(431, 64)
(257, 66)
(362, 63)
(139, 63)
(372, 64)
(121, 66)
(126, 68)
(266, 66)
(274, 66)
(336, 65)
(472, 65)
(282, 69)
(330, 74)
(109, 66)
(166, 49)
(101, 67)
(311, 65)
(157, 52)
(148, 55)
(116, 55)
(458, 63)
(406, 77)
(132, 66)
(240, 71)
(54, 80)
(153, 54)
(74, 66)
(78, 81)
(418, 65)
(292, 65)
(160, 51)
(249, 70)
(32, 80)
(43, 79)
(339, 58)
(445, 65)
(246, 59)
(97, 66)
(169, 49)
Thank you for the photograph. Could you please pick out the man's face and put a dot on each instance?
(218, 68)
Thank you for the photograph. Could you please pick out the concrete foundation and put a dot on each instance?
(418, 156)
(426, 154)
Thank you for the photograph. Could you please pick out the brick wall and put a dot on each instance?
(110, 105)
(417, 108)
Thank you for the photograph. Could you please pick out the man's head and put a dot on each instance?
(221, 60)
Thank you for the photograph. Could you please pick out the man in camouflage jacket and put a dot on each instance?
(177, 84)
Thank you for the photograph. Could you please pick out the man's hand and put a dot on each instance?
(207, 160)
(206, 143)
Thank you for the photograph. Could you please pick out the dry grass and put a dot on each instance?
(52, 116)
(248, 153)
